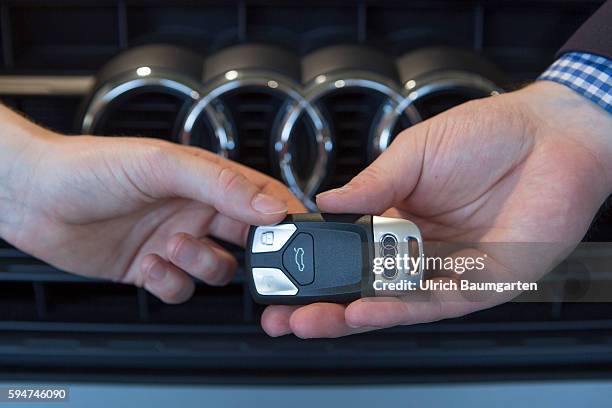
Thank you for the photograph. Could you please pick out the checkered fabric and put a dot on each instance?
(589, 75)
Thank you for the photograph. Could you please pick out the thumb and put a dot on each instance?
(390, 179)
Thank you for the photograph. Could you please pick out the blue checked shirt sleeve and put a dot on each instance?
(588, 74)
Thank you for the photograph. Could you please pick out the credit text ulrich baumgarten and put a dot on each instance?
(405, 269)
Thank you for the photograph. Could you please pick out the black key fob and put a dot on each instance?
(338, 258)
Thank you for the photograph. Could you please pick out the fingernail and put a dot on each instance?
(157, 272)
(187, 252)
(353, 325)
(211, 261)
(266, 204)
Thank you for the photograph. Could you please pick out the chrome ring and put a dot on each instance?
(110, 91)
(415, 89)
(295, 105)
(324, 84)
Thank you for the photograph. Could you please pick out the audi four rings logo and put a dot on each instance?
(303, 83)
(389, 249)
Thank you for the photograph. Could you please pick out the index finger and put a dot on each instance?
(168, 171)
(265, 182)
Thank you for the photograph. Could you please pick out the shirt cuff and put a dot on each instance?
(588, 74)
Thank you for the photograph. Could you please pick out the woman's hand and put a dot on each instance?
(532, 166)
(132, 210)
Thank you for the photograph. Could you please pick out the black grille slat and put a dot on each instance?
(210, 306)
(254, 126)
(350, 144)
(253, 112)
(255, 143)
(150, 107)
(101, 302)
(145, 125)
(56, 112)
(350, 113)
(143, 113)
(46, 294)
(17, 301)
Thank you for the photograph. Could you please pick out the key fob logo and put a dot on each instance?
(299, 258)
(389, 249)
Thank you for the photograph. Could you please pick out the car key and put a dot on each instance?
(317, 257)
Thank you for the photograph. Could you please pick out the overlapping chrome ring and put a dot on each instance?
(154, 78)
(302, 104)
(295, 105)
(318, 88)
(417, 88)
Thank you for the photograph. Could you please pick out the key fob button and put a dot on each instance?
(271, 238)
(298, 259)
(273, 282)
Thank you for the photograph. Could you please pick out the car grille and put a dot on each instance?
(56, 323)
(153, 114)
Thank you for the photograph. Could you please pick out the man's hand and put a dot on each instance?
(132, 210)
(529, 166)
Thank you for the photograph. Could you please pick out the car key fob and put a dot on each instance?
(317, 257)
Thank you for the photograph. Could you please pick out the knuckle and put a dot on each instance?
(155, 153)
(174, 245)
(154, 160)
(228, 180)
(209, 265)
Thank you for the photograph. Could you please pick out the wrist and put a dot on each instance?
(21, 144)
(565, 113)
